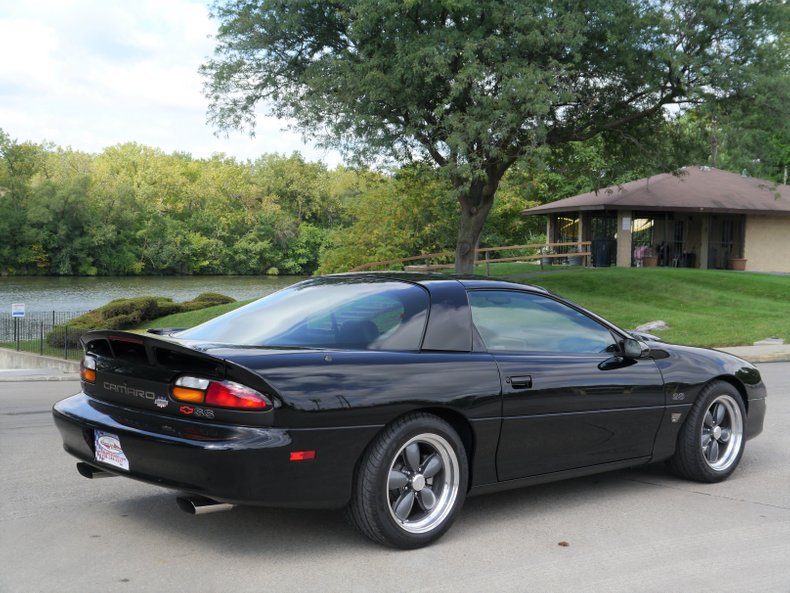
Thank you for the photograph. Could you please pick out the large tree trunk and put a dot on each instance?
(476, 201)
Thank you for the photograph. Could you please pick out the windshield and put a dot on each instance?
(351, 313)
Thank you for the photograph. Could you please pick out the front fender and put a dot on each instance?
(686, 370)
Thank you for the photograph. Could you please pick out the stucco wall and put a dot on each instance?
(767, 245)
(624, 238)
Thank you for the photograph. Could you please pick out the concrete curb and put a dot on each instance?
(766, 358)
(760, 354)
(12, 359)
(31, 378)
(23, 367)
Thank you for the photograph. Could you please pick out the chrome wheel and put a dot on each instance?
(722, 433)
(423, 481)
(411, 482)
(710, 441)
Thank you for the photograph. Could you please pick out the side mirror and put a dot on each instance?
(633, 349)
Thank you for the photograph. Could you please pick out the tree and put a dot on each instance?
(301, 188)
(56, 224)
(752, 133)
(20, 162)
(403, 215)
(475, 85)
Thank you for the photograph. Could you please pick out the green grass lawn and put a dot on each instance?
(192, 318)
(702, 307)
(35, 347)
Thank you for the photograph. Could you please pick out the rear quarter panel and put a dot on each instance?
(325, 389)
(370, 389)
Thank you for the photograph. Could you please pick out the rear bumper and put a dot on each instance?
(235, 464)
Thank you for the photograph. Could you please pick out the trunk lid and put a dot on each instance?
(138, 371)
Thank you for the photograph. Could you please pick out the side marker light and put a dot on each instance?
(302, 455)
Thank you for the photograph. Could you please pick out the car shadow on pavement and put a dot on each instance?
(244, 529)
(285, 532)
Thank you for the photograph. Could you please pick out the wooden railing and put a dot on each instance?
(582, 250)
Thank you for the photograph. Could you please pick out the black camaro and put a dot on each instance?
(398, 395)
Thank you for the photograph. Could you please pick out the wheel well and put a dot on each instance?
(461, 425)
(738, 386)
(456, 420)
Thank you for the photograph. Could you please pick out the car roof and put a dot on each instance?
(485, 282)
(427, 278)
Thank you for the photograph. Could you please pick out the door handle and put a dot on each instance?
(520, 382)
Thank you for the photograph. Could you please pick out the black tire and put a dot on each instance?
(411, 483)
(710, 443)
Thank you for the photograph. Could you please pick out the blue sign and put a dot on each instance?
(18, 310)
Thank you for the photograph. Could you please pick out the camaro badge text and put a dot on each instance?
(125, 390)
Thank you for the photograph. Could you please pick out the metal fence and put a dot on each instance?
(42, 332)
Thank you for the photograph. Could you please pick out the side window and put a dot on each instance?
(525, 322)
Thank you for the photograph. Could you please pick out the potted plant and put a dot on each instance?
(737, 263)
(643, 256)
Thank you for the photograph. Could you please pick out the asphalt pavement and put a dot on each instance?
(637, 530)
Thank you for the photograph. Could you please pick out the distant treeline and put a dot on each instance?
(136, 210)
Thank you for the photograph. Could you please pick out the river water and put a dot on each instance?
(85, 293)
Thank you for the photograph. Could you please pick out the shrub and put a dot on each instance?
(128, 313)
(206, 299)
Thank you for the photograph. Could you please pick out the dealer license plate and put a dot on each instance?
(109, 451)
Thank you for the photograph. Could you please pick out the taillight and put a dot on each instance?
(223, 394)
(232, 395)
(190, 389)
(88, 369)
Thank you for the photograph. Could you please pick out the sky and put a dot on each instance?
(88, 74)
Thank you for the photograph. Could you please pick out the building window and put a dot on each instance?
(725, 239)
(642, 239)
(567, 229)
(660, 234)
(603, 225)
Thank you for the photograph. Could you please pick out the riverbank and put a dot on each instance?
(83, 293)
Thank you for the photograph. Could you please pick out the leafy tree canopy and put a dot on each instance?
(133, 209)
(474, 85)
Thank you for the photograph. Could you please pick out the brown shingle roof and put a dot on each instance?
(699, 189)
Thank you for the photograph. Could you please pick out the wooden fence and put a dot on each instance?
(582, 250)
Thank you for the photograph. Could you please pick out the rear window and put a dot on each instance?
(347, 313)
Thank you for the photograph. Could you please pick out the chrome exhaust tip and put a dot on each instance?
(91, 472)
(200, 505)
